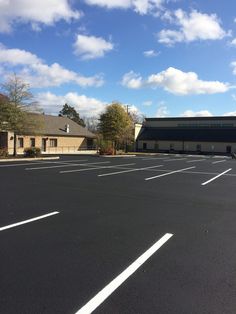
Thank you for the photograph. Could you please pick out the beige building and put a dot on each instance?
(57, 135)
(214, 135)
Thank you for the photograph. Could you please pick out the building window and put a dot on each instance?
(32, 142)
(228, 149)
(198, 147)
(144, 145)
(20, 142)
(53, 142)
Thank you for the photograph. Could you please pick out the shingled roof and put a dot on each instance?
(54, 125)
(189, 134)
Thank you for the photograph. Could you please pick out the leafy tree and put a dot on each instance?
(115, 125)
(71, 113)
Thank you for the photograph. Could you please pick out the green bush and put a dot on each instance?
(32, 152)
(3, 153)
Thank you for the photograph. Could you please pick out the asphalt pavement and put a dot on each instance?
(75, 235)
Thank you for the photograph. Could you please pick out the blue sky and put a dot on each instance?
(160, 57)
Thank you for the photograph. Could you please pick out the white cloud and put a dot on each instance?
(233, 42)
(132, 80)
(86, 106)
(191, 113)
(233, 65)
(195, 26)
(230, 114)
(45, 12)
(39, 74)
(176, 82)
(91, 47)
(162, 111)
(139, 6)
(150, 53)
(147, 103)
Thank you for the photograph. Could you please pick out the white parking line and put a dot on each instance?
(196, 160)
(67, 165)
(167, 174)
(219, 175)
(169, 159)
(24, 164)
(130, 170)
(28, 220)
(96, 168)
(101, 296)
(154, 158)
(216, 162)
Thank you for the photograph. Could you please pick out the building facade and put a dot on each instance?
(57, 135)
(211, 135)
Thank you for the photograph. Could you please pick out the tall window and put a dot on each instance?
(53, 142)
(20, 142)
(32, 142)
(198, 147)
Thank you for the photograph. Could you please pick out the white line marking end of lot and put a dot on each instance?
(219, 175)
(28, 220)
(101, 296)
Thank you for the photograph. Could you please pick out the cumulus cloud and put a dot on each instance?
(86, 106)
(39, 74)
(230, 114)
(176, 82)
(233, 65)
(162, 111)
(233, 42)
(193, 26)
(132, 80)
(139, 6)
(91, 47)
(150, 53)
(191, 113)
(147, 103)
(37, 13)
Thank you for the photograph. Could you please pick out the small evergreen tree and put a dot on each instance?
(71, 113)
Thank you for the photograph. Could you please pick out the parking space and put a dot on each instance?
(145, 234)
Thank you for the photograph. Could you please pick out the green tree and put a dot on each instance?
(71, 113)
(115, 125)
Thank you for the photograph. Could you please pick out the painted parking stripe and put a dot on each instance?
(154, 158)
(28, 220)
(169, 159)
(130, 170)
(169, 173)
(219, 175)
(115, 283)
(24, 164)
(216, 162)
(67, 165)
(196, 160)
(96, 168)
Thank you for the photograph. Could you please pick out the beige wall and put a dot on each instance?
(64, 144)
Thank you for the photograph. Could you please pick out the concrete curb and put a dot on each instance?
(29, 159)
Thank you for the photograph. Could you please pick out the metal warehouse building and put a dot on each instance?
(190, 135)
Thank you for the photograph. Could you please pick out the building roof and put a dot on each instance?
(223, 118)
(188, 134)
(55, 125)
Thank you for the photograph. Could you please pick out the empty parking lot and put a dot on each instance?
(145, 234)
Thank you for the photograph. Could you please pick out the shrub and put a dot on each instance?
(106, 148)
(32, 152)
(3, 153)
